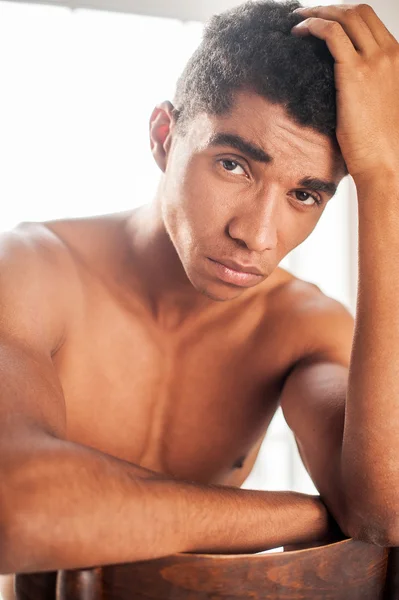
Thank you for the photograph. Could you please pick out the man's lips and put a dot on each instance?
(235, 273)
(231, 264)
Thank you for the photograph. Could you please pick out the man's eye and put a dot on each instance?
(306, 198)
(233, 167)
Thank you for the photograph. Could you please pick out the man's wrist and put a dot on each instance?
(380, 181)
(378, 205)
(318, 527)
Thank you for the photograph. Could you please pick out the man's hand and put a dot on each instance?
(367, 81)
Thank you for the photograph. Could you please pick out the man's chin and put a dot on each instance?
(219, 293)
(221, 298)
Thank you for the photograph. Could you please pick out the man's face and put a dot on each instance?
(246, 187)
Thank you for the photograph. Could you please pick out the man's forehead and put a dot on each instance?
(265, 124)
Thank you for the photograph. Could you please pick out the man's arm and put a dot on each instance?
(352, 450)
(64, 505)
(313, 401)
(342, 412)
(370, 460)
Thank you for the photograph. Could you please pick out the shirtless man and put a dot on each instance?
(139, 375)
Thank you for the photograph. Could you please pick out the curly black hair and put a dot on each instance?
(251, 48)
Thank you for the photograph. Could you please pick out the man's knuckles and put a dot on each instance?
(365, 10)
(351, 13)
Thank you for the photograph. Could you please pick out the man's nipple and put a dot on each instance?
(239, 463)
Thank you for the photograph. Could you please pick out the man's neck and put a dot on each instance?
(171, 297)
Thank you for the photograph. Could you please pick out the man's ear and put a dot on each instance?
(161, 127)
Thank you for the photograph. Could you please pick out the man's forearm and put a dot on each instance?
(69, 506)
(370, 465)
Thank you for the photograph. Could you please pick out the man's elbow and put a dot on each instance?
(380, 531)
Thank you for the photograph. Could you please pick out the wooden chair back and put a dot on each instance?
(345, 570)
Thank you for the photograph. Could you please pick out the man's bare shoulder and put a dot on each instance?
(37, 246)
(96, 245)
(87, 234)
(65, 247)
(37, 282)
(303, 295)
(321, 324)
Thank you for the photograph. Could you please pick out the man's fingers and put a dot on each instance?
(333, 34)
(351, 20)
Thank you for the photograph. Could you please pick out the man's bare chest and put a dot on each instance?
(191, 406)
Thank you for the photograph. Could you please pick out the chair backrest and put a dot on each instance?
(346, 570)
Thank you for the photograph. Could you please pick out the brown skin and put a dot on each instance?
(135, 380)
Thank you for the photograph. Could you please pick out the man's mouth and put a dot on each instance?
(235, 273)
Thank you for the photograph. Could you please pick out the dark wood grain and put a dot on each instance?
(392, 581)
(85, 584)
(345, 570)
(37, 586)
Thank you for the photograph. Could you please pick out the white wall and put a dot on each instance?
(194, 10)
(184, 10)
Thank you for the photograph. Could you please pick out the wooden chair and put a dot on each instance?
(345, 570)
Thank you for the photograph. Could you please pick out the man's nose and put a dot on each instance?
(256, 225)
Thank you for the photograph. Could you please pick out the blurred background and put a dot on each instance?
(78, 82)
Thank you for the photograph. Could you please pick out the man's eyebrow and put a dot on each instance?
(318, 185)
(239, 143)
(234, 140)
